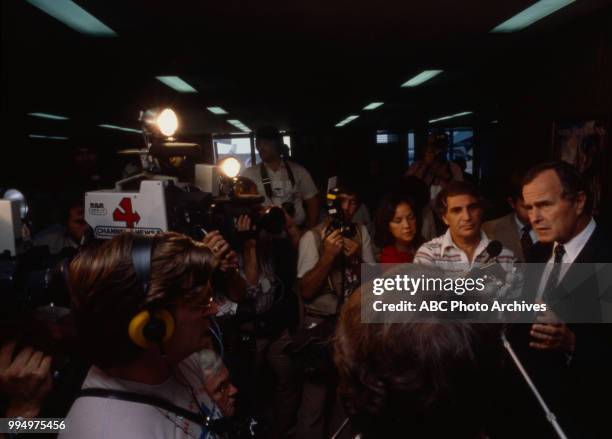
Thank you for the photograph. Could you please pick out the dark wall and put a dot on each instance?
(566, 77)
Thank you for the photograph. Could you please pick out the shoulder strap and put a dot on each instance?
(289, 173)
(265, 179)
(267, 182)
(359, 237)
(137, 398)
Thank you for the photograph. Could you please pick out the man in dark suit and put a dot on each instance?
(568, 349)
(514, 229)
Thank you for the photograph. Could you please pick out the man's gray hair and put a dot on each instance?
(210, 362)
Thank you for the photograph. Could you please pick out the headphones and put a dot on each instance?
(152, 326)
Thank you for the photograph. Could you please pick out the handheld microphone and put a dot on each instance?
(494, 248)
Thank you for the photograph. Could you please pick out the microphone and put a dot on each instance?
(494, 248)
(491, 270)
(550, 416)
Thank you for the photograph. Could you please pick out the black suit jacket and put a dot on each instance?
(571, 384)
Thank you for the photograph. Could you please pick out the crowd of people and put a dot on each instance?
(180, 335)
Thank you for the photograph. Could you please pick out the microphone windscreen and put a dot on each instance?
(494, 248)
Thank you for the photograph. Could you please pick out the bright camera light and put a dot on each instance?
(167, 122)
(230, 167)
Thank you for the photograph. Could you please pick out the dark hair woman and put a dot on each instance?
(398, 225)
(425, 378)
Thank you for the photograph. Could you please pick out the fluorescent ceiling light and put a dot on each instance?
(40, 136)
(239, 125)
(216, 110)
(115, 127)
(48, 116)
(373, 106)
(347, 120)
(177, 84)
(533, 13)
(464, 113)
(74, 16)
(425, 75)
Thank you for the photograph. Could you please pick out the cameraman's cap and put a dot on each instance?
(269, 133)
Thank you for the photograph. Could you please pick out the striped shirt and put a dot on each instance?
(443, 253)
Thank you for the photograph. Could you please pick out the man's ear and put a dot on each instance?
(511, 202)
(444, 219)
(580, 202)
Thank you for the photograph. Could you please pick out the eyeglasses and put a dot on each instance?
(207, 305)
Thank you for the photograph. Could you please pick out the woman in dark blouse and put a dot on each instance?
(398, 225)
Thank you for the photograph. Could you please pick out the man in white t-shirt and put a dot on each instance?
(329, 270)
(283, 183)
(143, 305)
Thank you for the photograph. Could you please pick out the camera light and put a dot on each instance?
(167, 122)
(18, 197)
(230, 167)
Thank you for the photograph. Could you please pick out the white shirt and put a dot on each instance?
(282, 189)
(572, 249)
(308, 255)
(444, 253)
(105, 418)
(519, 227)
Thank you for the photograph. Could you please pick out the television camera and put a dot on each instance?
(153, 201)
(32, 285)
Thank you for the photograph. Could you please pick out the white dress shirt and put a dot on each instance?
(572, 249)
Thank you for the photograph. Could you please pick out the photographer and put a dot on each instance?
(281, 182)
(434, 169)
(143, 308)
(328, 272)
(267, 267)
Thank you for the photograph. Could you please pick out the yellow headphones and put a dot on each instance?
(151, 327)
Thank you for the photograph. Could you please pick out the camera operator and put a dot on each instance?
(283, 183)
(328, 272)
(268, 272)
(69, 231)
(141, 321)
